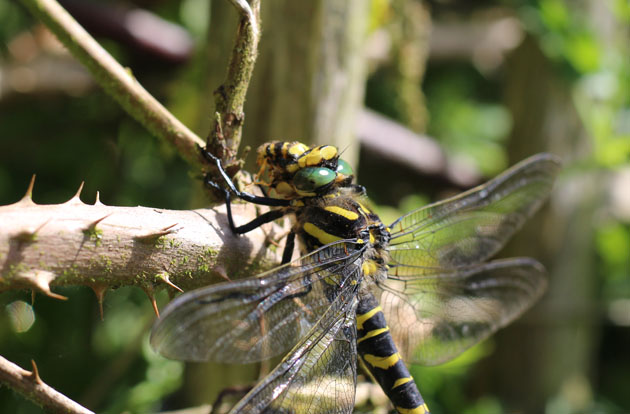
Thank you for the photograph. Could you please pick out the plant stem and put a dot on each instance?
(117, 81)
(225, 137)
(29, 384)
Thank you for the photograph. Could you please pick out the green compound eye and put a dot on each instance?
(311, 178)
(344, 168)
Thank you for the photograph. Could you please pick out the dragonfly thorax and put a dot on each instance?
(340, 215)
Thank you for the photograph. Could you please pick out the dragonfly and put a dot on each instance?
(420, 290)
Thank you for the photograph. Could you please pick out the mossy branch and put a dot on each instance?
(42, 246)
(225, 137)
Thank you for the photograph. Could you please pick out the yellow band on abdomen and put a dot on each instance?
(382, 362)
(364, 317)
(421, 409)
(373, 333)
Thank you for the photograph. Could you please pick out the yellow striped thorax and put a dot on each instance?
(292, 170)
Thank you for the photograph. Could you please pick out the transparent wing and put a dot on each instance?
(319, 374)
(256, 318)
(473, 226)
(434, 316)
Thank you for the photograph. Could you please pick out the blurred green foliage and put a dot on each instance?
(595, 54)
(588, 44)
(469, 121)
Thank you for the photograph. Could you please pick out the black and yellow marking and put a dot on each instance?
(320, 225)
(328, 214)
(376, 348)
(280, 155)
(314, 186)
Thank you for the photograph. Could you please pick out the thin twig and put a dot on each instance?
(29, 384)
(225, 137)
(246, 11)
(116, 80)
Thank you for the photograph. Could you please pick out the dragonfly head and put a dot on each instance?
(291, 170)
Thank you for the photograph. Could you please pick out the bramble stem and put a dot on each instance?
(117, 81)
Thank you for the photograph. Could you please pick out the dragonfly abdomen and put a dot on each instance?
(378, 351)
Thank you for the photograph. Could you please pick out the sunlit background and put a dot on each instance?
(479, 84)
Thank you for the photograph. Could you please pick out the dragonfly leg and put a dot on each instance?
(289, 245)
(252, 198)
(255, 223)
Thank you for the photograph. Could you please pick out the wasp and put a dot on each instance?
(419, 290)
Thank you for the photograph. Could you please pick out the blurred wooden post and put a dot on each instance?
(307, 85)
(546, 353)
(310, 76)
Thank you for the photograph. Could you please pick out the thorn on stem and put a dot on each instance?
(92, 226)
(28, 196)
(54, 295)
(34, 376)
(76, 199)
(40, 279)
(78, 194)
(148, 289)
(99, 290)
(151, 237)
(164, 278)
(29, 190)
(29, 235)
(221, 272)
(97, 202)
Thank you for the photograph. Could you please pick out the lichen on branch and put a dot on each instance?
(225, 136)
(42, 246)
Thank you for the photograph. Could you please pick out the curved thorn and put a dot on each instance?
(149, 238)
(29, 190)
(78, 194)
(164, 278)
(29, 235)
(28, 196)
(35, 373)
(40, 279)
(170, 228)
(93, 225)
(54, 295)
(77, 197)
(148, 289)
(220, 270)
